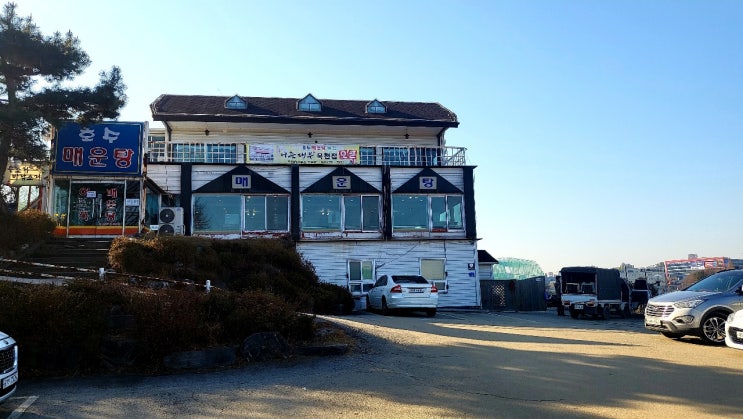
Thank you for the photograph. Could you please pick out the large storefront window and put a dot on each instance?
(340, 212)
(411, 212)
(232, 213)
(217, 213)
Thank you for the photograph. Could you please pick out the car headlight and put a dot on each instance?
(688, 303)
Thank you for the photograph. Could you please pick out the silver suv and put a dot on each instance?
(699, 310)
(8, 366)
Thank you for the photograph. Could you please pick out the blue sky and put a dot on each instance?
(603, 131)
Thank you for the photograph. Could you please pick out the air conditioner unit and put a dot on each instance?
(171, 221)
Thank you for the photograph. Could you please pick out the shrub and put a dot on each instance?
(62, 330)
(332, 299)
(24, 228)
(269, 265)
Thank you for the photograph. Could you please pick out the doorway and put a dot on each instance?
(96, 208)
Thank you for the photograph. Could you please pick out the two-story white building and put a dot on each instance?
(363, 187)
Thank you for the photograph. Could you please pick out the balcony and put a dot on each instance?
(160, 151)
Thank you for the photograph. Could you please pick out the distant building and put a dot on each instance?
(676, 270)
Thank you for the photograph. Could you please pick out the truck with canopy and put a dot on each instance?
(598, 292)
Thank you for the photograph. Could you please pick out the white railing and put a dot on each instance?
(235, 153)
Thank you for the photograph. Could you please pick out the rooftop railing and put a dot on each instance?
(237, 153)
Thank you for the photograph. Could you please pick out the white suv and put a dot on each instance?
(8, 366)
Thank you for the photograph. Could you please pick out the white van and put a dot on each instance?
(8, 366)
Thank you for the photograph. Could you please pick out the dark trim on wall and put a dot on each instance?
(186, 185)
(325, 184)
(294, 215)
(387, 202)
(468, 173)
(413, 185)
(259, 184)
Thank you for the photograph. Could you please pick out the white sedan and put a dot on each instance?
(734, 330)
(8, 366)
(411, 292)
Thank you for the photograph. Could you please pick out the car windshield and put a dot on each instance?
(718, 282)
(409, 279)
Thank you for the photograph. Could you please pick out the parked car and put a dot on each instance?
(734, 330)
(8, 366)
(701, 309)
(411, 292)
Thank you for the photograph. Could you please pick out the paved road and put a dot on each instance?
(520, 365)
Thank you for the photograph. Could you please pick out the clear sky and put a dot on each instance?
(603, 131)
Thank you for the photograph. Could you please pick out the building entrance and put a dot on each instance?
(96, 209)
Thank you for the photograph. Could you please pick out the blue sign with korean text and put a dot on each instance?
(107, 148)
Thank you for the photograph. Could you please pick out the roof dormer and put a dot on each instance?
(235, 102)
(309, 104)
(375, 106)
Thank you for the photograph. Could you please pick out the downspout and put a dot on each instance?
(440, 141)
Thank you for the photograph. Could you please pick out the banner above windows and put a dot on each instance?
(303, 153)
(107, 148)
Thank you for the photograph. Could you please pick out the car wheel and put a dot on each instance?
(368, 304)
(431, 312)
(606, 312)
(671, 335)
(713, 328)
(385, 309)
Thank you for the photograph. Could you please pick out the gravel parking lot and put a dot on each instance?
(458, 364)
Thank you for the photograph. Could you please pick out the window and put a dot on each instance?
(309, 104)
(321, 212)
(361, 213)
(266, 213)
(376, 106)
(221, 153)
(188, 152)
(277, 213)
(433, 270)
(368, 156)
(236, 102)
(411, 212)
(454, 205)
(204, 153)
(423, 156)
(360, 276)
(395, 156)
(352, 205)
(370, 213)
(217, 213)
(340, 212)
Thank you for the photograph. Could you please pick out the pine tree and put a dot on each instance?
(28, 57)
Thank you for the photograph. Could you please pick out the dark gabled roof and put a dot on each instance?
(484, 257)
(284, 110)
